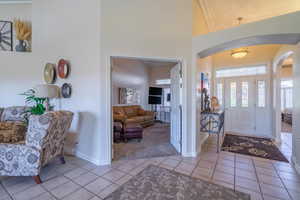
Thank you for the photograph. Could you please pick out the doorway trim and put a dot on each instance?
(277, 64)
(108, 115)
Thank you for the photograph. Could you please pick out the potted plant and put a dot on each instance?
(36, 104)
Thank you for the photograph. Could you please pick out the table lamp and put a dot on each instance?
(46, 91)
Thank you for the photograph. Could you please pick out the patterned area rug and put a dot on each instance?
(259, 147)
(162, 184)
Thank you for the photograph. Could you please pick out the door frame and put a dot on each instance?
(109, 104)
(268, 100)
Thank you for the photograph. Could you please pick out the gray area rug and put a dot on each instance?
(156, 183)
(155, 143)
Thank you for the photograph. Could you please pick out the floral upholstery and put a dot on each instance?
(16, 113)
(12, 132)
(44, 141)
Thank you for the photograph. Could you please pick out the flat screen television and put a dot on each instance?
(154, 100)
(155, 91)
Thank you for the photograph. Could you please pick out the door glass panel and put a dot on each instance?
(261, 96)
(220, 93)
(233, 94)
(245, 93)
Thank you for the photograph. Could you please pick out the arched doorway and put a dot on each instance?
(264, 32)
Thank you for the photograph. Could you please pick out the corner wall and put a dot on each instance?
(70, 32)
(145, 29)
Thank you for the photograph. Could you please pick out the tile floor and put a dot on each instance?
(81, 180)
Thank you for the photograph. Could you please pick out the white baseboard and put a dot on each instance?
(92, 160)
(189, 154)
(296, 165)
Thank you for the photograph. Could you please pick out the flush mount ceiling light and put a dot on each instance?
(239, 54)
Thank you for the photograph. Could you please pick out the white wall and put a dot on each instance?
(157, 73)
(130, 73)
(10, 12)
(70, 32)
(148, 28)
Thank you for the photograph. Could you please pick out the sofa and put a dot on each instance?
(44, 141)
(133, 114)
(13, 124)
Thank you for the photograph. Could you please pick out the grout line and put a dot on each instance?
(257, 179)
(234, 182)
(282, 181)
(4, 188)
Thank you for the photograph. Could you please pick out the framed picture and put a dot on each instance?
(129, 96)
(6, 36)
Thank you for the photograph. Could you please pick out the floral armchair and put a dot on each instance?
(44, 141)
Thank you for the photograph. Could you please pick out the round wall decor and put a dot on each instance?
(63, 68)
(66, 90)
(49, 73)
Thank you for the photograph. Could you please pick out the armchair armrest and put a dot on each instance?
(19, 160)
(119, 118)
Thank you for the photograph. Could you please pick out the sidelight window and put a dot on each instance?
(245, 94)
(261, 93)
(233, 94)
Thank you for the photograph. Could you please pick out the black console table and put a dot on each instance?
(212, 122)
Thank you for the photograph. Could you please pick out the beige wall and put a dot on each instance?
(199, 24)
(147, 29)
(130, 73)
(10, 12)
(286, 72)
(73, 35)
(259, 54)
(156, 73)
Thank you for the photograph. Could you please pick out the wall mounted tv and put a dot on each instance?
(155, 91)
(154, 100)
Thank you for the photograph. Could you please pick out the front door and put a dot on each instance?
(240, 106)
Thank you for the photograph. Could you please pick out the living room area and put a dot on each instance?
(142, 105)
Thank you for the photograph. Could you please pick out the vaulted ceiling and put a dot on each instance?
(222, 14)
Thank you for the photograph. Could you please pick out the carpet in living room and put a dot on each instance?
(155, 143)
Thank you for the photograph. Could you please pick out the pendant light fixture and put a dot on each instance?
(239, 53)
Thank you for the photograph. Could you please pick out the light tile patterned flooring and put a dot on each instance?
(81, 180)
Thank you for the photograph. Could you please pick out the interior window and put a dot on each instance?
(241, 71)
(245, 93)
(261, 93)
(220, 93)
(233, 94)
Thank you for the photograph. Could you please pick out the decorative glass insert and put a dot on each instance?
(163, 82)
(261, 93)
(245, 94)
(220, 93)
(241, 71)
(233, 94)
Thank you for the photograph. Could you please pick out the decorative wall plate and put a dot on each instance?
(66, 90)
(49, 73)
(6, 36)
(63, 68)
